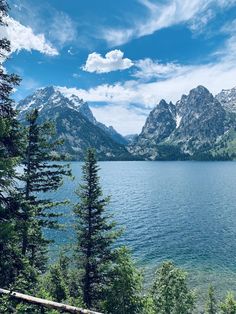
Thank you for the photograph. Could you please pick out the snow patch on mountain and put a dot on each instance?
(227, 97)
(56, 96)
(178, 120)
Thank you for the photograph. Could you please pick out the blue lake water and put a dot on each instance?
(180, 211)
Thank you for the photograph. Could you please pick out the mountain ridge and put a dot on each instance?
(75, 124)
(194, 128)
(198, 126)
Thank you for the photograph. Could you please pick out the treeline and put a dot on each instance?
(96, 274)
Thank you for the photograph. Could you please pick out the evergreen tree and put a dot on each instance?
(95, 234)
(229, 305)
(170, 292)
(124, 295)
(211, 305)
(61, 283)
(40, 175)
(9, 133)
(10, 261)
(57, 281)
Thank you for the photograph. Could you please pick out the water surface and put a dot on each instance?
(180, 211)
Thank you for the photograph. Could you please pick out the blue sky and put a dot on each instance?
(123, 56)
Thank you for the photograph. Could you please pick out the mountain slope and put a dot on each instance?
(158, 126)
(59, 96)
(196, 127)
(227, 98)
(75, 124)
(202, 120)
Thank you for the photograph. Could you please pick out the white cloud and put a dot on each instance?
(63, 29)
(113, 61)
(148, 69)
(213, 76)
(196, 13)
(123, 119)
(23, 37)
(124, 97)
(117, 93)
(42, 17)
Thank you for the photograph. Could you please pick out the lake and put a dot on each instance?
(179, 211)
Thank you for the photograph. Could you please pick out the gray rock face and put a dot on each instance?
(159, 125)
(75, 124)
(197, 125)
(130, 138)
(201, 120)
(53, 97)
(227, 98)
(192, 126)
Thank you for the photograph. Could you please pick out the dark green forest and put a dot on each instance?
(95, 274)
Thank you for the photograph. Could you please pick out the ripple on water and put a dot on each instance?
(182, 211)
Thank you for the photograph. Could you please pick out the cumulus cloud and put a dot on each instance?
(23, 37)
(113, 61)
(195, 13)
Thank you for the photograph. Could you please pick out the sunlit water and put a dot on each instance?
(180, 211)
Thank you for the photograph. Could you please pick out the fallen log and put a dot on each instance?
(46, 303)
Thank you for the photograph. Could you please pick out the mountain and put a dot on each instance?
(75, 124)
(57, 96)
(227, 97)
(158, 126)
(201, 121)
(198, 126)
(130, 138)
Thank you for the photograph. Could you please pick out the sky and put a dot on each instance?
(122, 57)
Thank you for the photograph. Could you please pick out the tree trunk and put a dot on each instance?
(46, 303)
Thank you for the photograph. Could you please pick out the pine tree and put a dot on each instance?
(9, 133)
(40, 175)
(10, 261)
(211, 305)
(95, 235)
(170, 292)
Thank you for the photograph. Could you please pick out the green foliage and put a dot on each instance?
(229, 304)
(170, 152)
(39, 175)
(148, 305)
(211, 305)
(10, 261)
(170, 292)
(61, 283)
(95, 235)
(124, 292)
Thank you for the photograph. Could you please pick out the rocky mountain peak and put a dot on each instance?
(227, 97)
(159, 125)
(201, 119)
(162, 104)
(61, 100)
(200, 93)
(195, 101)
(194, 124)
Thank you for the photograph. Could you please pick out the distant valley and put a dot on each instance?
(198, 127)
